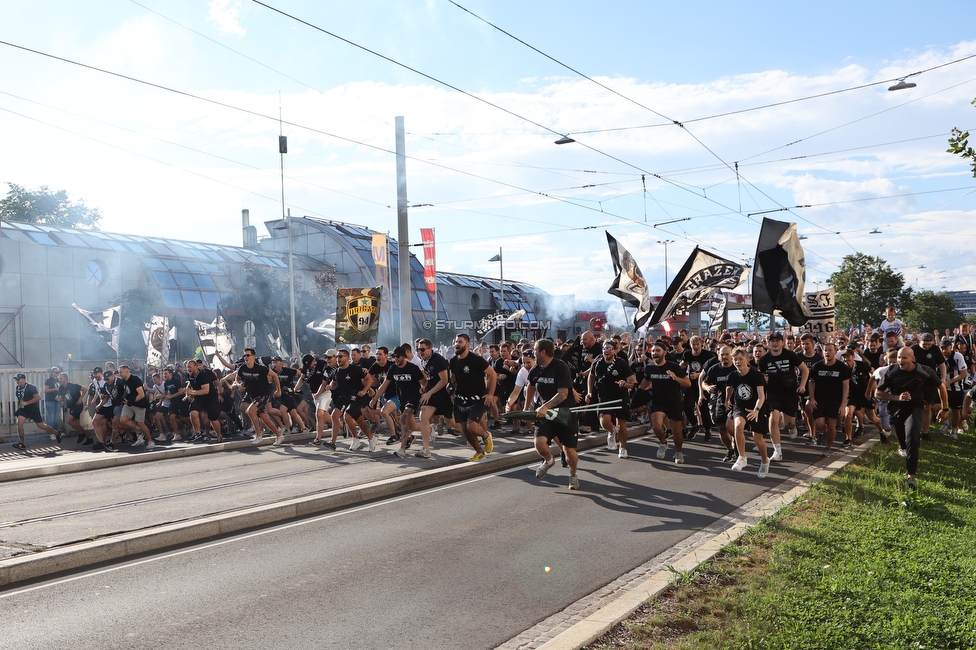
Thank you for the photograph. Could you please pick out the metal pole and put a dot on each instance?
(403, 237)
(295, 352)
(501, 275)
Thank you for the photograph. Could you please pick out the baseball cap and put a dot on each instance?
(398, 351)
(847, 352)
(926, 336)
(945, 342)
(20, 376)
(331, 352)
(776, 335)
(97, 369)
(276, 358)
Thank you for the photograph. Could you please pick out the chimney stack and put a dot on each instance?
(250, 232)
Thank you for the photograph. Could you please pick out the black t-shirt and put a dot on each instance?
(315, 373)
(829, 380)
(469, 375)
(406, 382)
(549, 380)
(381, 373)
(288, 378)
(255, 380)
(26, 392)
(350, 381)
(206, 377)
(874, 358)
(718, 375)
(171, 386)
(70, 394)
(606, 375)
(433, 369)
(745, 388)
(860, 377)
(897, 381)
(366, 362)
(506, 377)
(114, 388)
(663, 388)
(932, 357)
(811, 361)
(695, 363)
(130, 388)
(51, 382)
(780, 370)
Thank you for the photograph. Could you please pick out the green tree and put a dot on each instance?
(754, 319)
(959, 145)
(46, 207)
(932, 311)
(863, 287)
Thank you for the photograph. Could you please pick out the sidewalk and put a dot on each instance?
(68, 508)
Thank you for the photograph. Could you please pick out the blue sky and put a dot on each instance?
(157, 163)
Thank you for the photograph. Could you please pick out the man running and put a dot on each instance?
(780, 368)
(350, 388)
(714, 383)
(471, 398)
(745, 394)
(407, 380)
(830, 384)
(136, 404)
(665, 379)
(257, 381)
(435, 401)
(610, 380)
(553, 380)
(28, 408)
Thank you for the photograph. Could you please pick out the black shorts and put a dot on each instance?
(640, 398)
(106, 412)
(260, 402)
(409, 402)
(442, 404)
(621, 413)
(782, 400)
(717, 410)
(932, 395)
(567, 435)
(760, 425)
(955, 399)
(354, 407)
(859, 401)
(827, 409)
(468, 409)
(32, 412)
(210, 407)
(288, 401)
(672, 410)
(163, 410)
(75, 411)
(182, 408)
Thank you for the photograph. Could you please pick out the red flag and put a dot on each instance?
(430, 269)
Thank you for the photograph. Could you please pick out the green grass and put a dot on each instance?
(859, 562)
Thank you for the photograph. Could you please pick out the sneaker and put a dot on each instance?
(21, 446)
(730, 456)
(279, 440)
(544, 468)
(777, 455)
(410, 440)
(691, 434)
(955, 434)
(110, 447)
(708, 435)
(793, 432)
(355, 444)
(372, 444)
(911, 483)
(315, 442)
(496, 425)
(98, 447)
(54, 438)
(328, 443)
(826, 452)
(139, 441)
(740, 464)
(847, 444)
(763, 470)
(392, 440)
(433, 437)
(516, 431)
(562, 459)
(903, 452)
(622, 453)
(884, 438)
(400, 453)
(662, 450)
(478, 456)
(573, 482)
(489, 443)
(611, 442)
(150, 445)
(679, 458)
(256, 440)
(87, 441)
(423, 453)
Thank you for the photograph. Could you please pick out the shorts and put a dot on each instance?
(288, 401)
(134, 413)
(106, 412)
(117, 411)
(260, 402)
(442, 404)
(640, 398)
(860, 402)
(760, 425)
(468, 409)
(182, 408)
(75, 411)
(32, 412)
(210, 407)
(717, 410)
(163, 410)
(955, 399)
(354, 408)
(672, 410)
(567, 435)
(386, 400)
(932, 395)
(783, 401)
(324, 401)
(827, 409)
(409, 404)
(622, 413)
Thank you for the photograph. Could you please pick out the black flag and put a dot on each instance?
(702, 274)
(629, 284)
(777, 279)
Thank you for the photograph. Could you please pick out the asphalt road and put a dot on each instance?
(468, 565)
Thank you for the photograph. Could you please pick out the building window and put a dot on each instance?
(475, 301)
(95, 273)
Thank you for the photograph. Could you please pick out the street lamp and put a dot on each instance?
(501, 275)
(665, 243)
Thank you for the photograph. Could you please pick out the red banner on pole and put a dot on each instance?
(430, 268)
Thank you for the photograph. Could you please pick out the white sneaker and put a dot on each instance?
(150, 445)
(662, 450)
(140, 441)
(400, 453)
(679, 458)
(256, 440)
(777, 455)
(611, 442)
(793, 432)
(622, 453)
(740, 464)
(544, 468)
(372, 444)
(903, 452)
(763, 470)
(279, 440)
(355, 444)
(423, 453)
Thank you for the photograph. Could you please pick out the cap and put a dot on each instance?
(776, 335)
(54, 369)
(926, 336)
(398, 351)
(20, 376)
(848, 352)
(108, 372)
(276, 358)
(97, 369)
(331, 352)
(945, 342)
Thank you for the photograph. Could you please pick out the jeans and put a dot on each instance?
(52, 414)
(907, 423)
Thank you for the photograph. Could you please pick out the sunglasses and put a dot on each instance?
(422, 349)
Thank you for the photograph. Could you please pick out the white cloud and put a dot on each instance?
(224, 13)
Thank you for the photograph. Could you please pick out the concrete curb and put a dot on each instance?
(33, 566)
(592, 627)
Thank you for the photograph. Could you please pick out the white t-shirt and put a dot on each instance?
(889, 325)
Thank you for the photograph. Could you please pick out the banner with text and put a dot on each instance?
(382, 266)
(821, 307)
(358, 314)
(430, 266)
